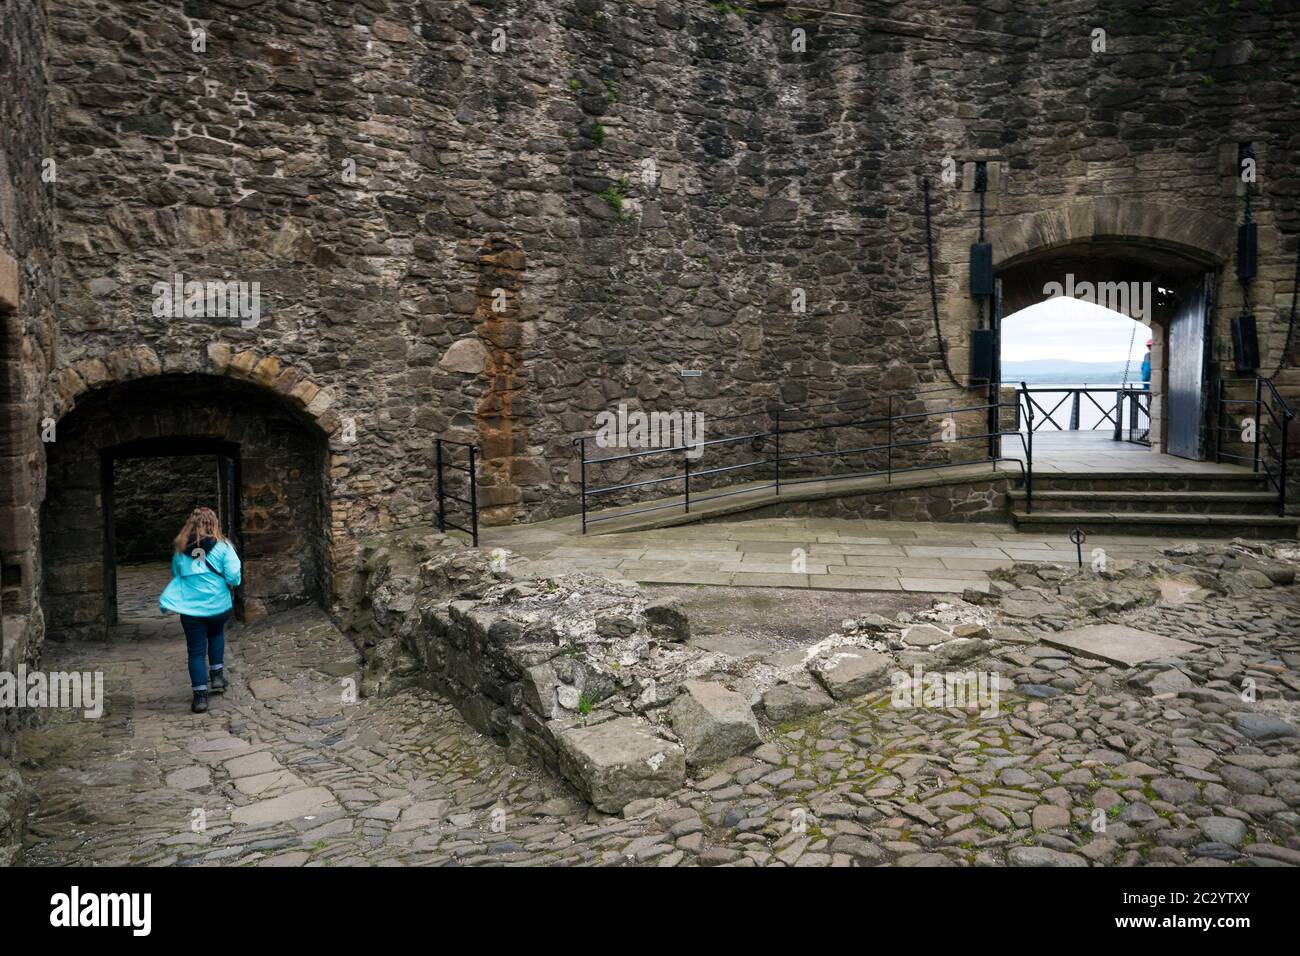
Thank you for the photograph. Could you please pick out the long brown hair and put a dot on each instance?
(202, 523)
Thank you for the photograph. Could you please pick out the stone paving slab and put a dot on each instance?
(976, 564)
(854, 583)
(891, 562)
(889, 555)
(1118, 644)
(943, 585)
(1038, 554)
(769, 580)
(256, 763)
(861, 571)
(290, 806)
(189, 778)
(684, 577)
(275, 781)
(954, 552)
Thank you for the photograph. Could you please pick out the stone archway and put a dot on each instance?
(70, 384)
(1117, 248)
(1188, 232)
(276, 423)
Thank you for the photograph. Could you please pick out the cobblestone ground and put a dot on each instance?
(286, 773)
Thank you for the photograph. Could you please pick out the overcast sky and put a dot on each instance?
(1066, 328)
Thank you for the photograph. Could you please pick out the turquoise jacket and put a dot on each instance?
(201, 580)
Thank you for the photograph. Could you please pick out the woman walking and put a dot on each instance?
(204, 569)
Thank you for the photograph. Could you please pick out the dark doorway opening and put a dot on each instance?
(149, 488)
(272, 492)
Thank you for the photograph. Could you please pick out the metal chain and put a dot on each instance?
(1245, 283)
(1128, 361)
(934, 291)
(1290, 325)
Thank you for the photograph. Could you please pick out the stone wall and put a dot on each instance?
(533, 664)
(153, 498)
(493, 242)
(1090, 159)
(27, 291)
(498, 244)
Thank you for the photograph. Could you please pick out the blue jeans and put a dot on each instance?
(205, 638)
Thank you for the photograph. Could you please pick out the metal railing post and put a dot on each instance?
(778, 451)
(1281, 482)
(1074, 410)
(473, 493)
(993, 416)
(582, 479)
(442, 505)
(1218, 422)
(1029, 454)
(889, 447)
(1259, 419)
(686, 473)
(1119, 414)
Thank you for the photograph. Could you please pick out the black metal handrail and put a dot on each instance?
(1073, 394)
(786, 408)
(1273, 465)
(471, 471)
(776, 459)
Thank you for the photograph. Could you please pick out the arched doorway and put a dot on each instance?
(1167, 292)
(1157, 264)
(124, 446)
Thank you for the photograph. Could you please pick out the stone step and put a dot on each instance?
(1164, 502)
(1139, 481)
(1270, 527)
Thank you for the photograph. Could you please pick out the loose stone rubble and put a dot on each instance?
(713, 723)
(14, 797)
(541, 665)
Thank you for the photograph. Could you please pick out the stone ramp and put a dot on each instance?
(976, 490)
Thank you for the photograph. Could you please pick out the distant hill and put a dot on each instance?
(1065, 372)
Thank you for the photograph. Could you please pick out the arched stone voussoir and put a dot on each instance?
(69, 384)
(269, 372)
(132, 362)
(1199, 235)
